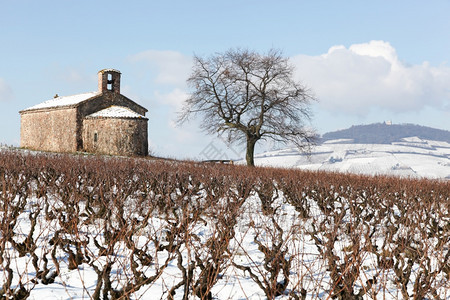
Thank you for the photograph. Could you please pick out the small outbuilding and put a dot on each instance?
(103, 122)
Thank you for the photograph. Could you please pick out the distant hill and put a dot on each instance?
(382, 133)
(404, 150)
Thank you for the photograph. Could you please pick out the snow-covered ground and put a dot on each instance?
(284, 228)
(256, 230)
(411, 157)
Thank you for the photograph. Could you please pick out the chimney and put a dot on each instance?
(109, 81)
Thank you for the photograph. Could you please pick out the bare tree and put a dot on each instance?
(250, 96)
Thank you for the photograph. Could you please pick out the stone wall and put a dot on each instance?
(115, 136)
(50, 130)
(107, 99)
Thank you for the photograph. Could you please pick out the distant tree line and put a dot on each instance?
(382, 133)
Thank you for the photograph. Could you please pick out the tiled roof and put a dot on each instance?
(116, 112)
(64, 101)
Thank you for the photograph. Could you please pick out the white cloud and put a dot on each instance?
(376, 49)
(6, 92)
(174, 98)
(370, 75)
(172, 67)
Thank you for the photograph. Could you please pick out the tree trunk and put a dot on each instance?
(250, 151)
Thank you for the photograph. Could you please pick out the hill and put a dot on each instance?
(384, 133)
(377, 149)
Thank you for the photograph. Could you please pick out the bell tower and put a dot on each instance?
(109, 81)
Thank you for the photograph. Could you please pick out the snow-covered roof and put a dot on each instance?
(64, 101)
(109, 70)
(115, 111)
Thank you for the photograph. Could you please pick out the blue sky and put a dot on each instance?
(365, 61)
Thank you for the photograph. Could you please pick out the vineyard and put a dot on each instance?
(91, 227)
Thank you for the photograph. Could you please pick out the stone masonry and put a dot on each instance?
(127, 140)
(54, 130)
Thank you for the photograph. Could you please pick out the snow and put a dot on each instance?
(234, 283)
(115, 112)
(64, 101)
(338, 141)
(412, 157)
(308, 269)
(109, 70)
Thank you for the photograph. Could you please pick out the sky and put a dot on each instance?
(364, 61)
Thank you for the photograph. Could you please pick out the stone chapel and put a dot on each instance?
(103, 122)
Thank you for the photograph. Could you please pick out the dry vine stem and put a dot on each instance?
(190, 229)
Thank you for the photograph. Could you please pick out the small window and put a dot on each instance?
(95, 137)
(109, 86)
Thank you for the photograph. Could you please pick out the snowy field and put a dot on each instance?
(94, 228)
(412, 157)
(284, 232)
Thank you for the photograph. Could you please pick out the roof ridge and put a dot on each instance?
(120, 112)
(64, 101)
